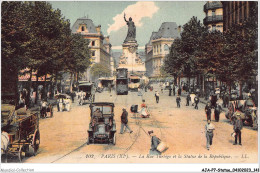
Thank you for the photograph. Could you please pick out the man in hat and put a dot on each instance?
(196, 101)
(238, 125)
(188, 99)
(124, 121)
(209, 133)
(170, 90)
(155, 141)
(97, 113)
(157, 96)
(178, 101)
(208, 111)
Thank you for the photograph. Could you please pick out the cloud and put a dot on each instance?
(137, 11)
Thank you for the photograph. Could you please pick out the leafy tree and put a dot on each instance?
(184, 52)
(99, 70)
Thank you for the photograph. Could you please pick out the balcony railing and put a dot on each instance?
(212, 19)
(212, 5)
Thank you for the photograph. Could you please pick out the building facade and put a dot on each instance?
(236, 12)
(214, 15)
(158, 47)
(99, 45)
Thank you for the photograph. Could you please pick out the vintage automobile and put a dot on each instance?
(88, 90)
(22, 129)
(102, 126)
(245, 109)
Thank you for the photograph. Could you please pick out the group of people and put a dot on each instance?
(217, 110)
(237, 127)
(24, 99)
(194, 100)
(155, 141)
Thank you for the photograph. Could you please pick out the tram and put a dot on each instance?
(122, 81)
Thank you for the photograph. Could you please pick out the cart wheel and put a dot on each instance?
(36, 142)
(4, 157)
(114, 139)
(21, 154)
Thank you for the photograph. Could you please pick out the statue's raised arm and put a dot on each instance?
(125, 18)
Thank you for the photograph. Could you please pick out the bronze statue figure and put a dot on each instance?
(131, 30)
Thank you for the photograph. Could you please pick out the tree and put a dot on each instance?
(184, 52)
(78, 57)
(99, 70)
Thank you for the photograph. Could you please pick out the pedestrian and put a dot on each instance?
(217, 111)
(179, 90)
(173, 89)
(162, 87)
(61, 102)
(157, 96)
(196, 101)
(155, 141)
(72, 96)
(208, 111)
(188, 99)
(178, 101)
(170, 90)
(44, 109)
(238, 125)
(144, 112)
(81, 97)
(124, 121)
(209, 133)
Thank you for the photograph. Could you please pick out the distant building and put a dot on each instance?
(236, 12)
(158, 47)
(149, 55)
(100, 46)
(214, 15)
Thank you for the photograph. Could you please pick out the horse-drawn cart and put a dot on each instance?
(22, 129)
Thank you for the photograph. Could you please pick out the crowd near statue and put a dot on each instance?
(131, 30)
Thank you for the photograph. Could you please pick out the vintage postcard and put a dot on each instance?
(129, 82)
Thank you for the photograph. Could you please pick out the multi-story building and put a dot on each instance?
(236, 12)
(99, 45)
(214, 15)
(149, 55)
(158, 47)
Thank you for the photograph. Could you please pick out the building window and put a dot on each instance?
(93, 43)
(213, 13)
(93, 53)
(82, 28)
(166, 48)
(213, 27)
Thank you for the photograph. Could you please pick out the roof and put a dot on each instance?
(89, 23)
(101, 103)
(85, 84)
(168, 30)
(152, 38)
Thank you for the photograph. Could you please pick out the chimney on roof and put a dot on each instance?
(179, 28)
(98, 28)
(107, 39)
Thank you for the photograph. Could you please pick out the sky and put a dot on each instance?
(147, 16)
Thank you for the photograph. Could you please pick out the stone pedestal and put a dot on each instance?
(130, 58)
